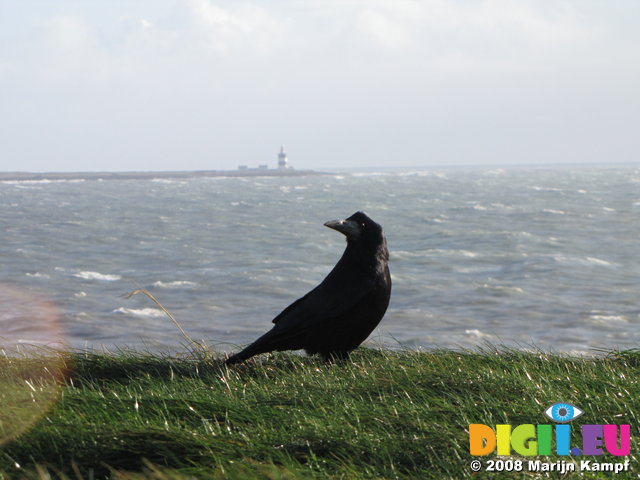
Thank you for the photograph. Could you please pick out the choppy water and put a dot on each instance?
(522, 257)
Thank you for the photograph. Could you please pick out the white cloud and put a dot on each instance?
(245, 26)
(6, 67)
(68, 52)
(382, 29)
(69, 34)
(131, 23)
(440, 36)
(225, 79)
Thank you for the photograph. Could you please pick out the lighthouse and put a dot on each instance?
(283, 162)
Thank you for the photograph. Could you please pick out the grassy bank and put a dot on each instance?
(381, 415)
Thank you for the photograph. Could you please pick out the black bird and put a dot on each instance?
(340, 313)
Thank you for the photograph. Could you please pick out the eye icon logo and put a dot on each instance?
(563, 412)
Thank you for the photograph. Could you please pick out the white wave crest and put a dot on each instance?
(97, 276)
(140, 312)
(37, 275)
(42, 181)
(477, 333)
(177, 283)
(368, 174)
(453, 252)
(583, 261)
(422, 173)
(499, 290)
(545, 189)
(598, 261)
(608, 319)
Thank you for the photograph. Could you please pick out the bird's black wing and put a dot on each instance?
(293, 306)
(328, 300)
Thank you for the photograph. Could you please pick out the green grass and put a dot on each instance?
(381, 415)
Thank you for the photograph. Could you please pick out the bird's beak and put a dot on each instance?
(347, 227)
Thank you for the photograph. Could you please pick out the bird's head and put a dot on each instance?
(357, 228)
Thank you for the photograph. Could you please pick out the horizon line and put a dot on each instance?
(339, 169)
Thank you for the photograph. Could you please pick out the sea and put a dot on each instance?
(535, 258)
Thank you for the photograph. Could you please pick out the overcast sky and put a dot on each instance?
(210, 84)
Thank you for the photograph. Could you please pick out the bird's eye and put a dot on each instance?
(563, 412)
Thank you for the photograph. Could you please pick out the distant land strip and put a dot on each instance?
(246, 172)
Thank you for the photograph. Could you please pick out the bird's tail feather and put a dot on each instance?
(245, 354)
(262, 345)
(269, 342)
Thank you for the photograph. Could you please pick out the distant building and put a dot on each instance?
(283, 164)
(283, 161)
